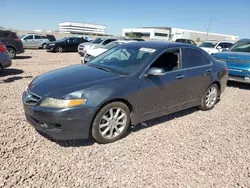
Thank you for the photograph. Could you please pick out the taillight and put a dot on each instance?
(2, 48)
(17, 39)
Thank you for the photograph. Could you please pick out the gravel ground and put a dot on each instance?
(186, 149)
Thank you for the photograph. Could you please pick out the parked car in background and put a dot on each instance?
(213, 47)
(5, 60)
(34, 41)
(97, 43)
(238, 61)
(125, 85)
(68, 44)
(186, 41)
(92, 53)
(13, 44)
(136, 39)
(50, 37)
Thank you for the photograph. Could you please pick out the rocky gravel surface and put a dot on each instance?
(191, 148)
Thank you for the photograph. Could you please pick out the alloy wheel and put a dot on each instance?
(113, 123)
(211, 97)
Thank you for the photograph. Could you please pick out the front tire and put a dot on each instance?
(111, 123)
(210, 98)
(59, 49)
(44, 46)
(12, 52)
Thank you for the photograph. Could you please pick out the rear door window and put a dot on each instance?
(6, 33)
(194, 58)
(38, 37)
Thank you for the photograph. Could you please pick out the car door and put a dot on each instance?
(37, 41)
(160, 95)
(28, 41)
(198, 73)
(68, 45)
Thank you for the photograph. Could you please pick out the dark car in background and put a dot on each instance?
(50, 37)
(13, 44)
(68, 44)
(186, 41)
(238, 61)
(5, 60)
(125, 85)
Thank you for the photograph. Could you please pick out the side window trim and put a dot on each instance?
(180, 68)
(204, 54)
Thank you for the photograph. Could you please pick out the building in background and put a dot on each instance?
(171, 34)
(82, 28)
(147, 33)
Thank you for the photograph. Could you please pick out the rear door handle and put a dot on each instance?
(180, 76)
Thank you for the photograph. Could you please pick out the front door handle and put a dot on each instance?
(209, 70)
(180, 76)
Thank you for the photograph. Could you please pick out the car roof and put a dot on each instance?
(157, 44)
(244, 40)
(125, 41)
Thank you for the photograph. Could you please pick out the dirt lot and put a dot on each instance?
(187, 149)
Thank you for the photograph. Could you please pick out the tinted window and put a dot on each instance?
(208, 44)
(6, 33)
(194, 58)
(227, 45)
(29, 37)
(192, 42)
(169, 61)
(38, 37)
(221, 45)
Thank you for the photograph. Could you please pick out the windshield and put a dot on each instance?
(122, 59)
(62, 39)
(240, 47)
(111, 45)
(97, 41)
(208, 45)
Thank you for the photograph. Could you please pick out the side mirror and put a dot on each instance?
(154, 71)
(219, 47)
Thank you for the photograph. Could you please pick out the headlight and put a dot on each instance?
(62, 103)
(52, 44)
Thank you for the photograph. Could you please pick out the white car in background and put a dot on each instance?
(213, 47)
(92, 53)
(97, 43)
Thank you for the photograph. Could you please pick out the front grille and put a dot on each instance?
(31, 98)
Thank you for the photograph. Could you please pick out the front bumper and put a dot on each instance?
(61, 124)
(242, 79)
(50, 48)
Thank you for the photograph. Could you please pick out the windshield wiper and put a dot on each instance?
(102, 68)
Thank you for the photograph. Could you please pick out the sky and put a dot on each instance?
(227, 16)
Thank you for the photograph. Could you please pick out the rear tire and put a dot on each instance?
(1, 69)
(210, 98)
(111, 123)
(12, 52)
(59, 49)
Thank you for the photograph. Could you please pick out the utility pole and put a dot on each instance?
(208, 27)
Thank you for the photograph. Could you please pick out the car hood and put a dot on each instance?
(233, 56)
(61, 82)
(96, 52)
(85, 43)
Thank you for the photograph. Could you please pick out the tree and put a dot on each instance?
(131, 35)
(198, 39)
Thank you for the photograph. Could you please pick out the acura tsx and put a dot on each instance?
(125, 85)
